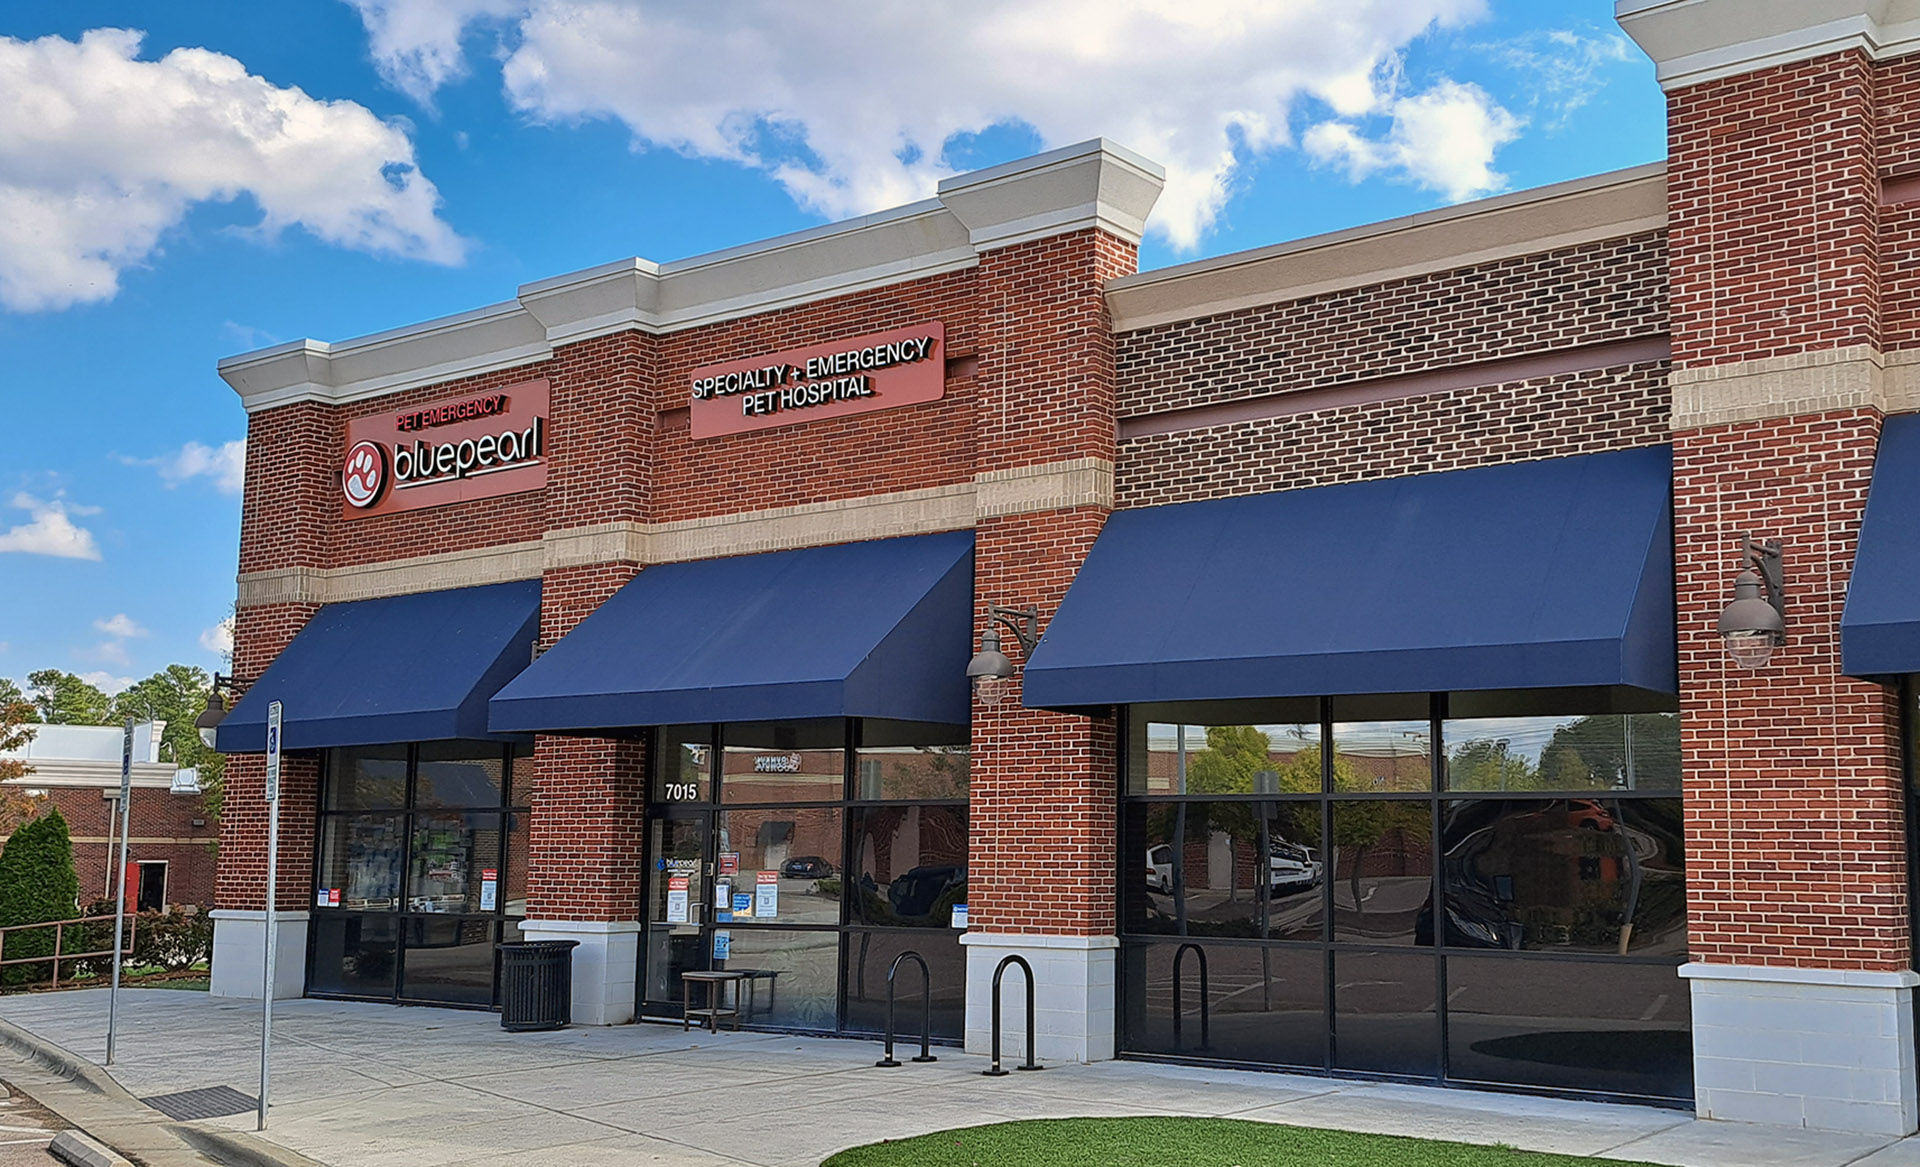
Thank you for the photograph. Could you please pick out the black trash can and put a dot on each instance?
(536, 984)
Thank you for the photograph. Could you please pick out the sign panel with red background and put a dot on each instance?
(478, 445)
(879, 371)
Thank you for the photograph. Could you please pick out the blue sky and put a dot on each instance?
(330, 168)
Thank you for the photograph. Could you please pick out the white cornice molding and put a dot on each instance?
(1528, 222)
(1093, 184)
(1692, 41)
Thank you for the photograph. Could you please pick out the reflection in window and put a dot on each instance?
(1382, 756)
(796, 851)
(684, 767)
(783, 761)
(1594, 875)
(1231, 759)
(456, 863)
(1633, 751)
(459, 774)
(796, 981)
(912, 865)
(1211, 884)
(360, 858)
(367, 777)
(1382, 870)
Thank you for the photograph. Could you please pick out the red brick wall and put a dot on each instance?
(907, 448)
(260, 632)
(1598, 292)
(1795, 850)
(157, 814)
(1772, 194)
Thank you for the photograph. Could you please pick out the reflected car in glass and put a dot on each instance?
(806, 867)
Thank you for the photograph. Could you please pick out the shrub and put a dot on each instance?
(37, 884)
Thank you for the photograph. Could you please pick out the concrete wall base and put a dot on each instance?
(605, 966)
(1817, 1048)
(240, 954)
(1073, 996)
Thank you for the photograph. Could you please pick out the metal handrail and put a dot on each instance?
(59, 942)
(1180, 954)
(926, 1009)
(998, 972)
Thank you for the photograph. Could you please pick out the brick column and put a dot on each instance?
(585, 876)
(1040, 873)
(286, 517)
(1797, 900)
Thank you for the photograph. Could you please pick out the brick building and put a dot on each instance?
(170, 837)
(1377, 580)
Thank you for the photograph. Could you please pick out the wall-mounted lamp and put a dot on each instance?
(208, 723)
(1755, 623)
(990, 670)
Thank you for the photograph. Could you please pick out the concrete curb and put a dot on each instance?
(81, 1151)
(87, 1096)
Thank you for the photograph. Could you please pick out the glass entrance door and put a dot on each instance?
(679, 905)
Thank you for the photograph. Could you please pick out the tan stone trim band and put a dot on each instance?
(1049, 486)
(1851, 377)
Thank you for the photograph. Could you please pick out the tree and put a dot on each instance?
(177, 694)
(1614, 750)
(37, 884)
(64, 699)
(17, 715)
(1490, 764)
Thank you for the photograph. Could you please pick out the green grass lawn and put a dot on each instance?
(1179, 1142)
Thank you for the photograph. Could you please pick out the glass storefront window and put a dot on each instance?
(459, 774)
(367, 778)
(795, 851)
(1576, 874)
(1614, 751)
(796, 977)
(900, 760)
(683, 772)
(361, 857)
(783, 761)
(910, 865)
(451, 855)
(410, 900)
(1551, 854)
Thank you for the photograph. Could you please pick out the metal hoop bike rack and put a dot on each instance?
(1180, 954)
(926, 1009)
(998, 972)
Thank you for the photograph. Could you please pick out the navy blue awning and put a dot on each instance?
(408, 668)
(1537, 574)
(1880, 626)
(877, 629)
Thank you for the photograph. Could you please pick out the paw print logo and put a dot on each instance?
(365, 474)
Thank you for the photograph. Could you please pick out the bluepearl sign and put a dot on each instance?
(450, 451)
(904, 367)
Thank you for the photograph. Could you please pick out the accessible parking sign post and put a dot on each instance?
(273, 889)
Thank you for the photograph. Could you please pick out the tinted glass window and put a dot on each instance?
(871, 954)
(361, 858)
(1211, 884)
(459, 774)
(796, 982)
(449, 961)
(367, 778)
(355, 954)
(1384, 1015)
(910, 760)
(683, 767)
(1382, 871)
(789, 863)
(455, 859)
(1382, 756)
(1637, 751)
(1264, 1004)
(785, 761)
(910, 865)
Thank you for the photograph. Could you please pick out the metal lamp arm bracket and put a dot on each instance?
(1764, 557)
(1024, 623)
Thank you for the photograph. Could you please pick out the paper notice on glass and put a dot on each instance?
(677, 899)
(722, 945)
(489, 887)
(729, 862)
(766, 895)
(743, 904)
(722, 901)
(960, 915)
(320, 898)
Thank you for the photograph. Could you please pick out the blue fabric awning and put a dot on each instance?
(1537, 574)
(876, 629)
(408, 668)
(1880, 626)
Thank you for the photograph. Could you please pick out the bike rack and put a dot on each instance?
(926, 1009)
(1180, 954)
(998, 972)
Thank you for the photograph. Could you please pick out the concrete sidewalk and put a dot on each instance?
(377, 1086)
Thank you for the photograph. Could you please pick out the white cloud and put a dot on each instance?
(107, 683)
(100, 154)
(416, 46)
(1563, 67)
(1443, 139)
(50, 530)
(218, 639)
(224, 465)
(113, 652)
(120, 625)
(852, 106)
